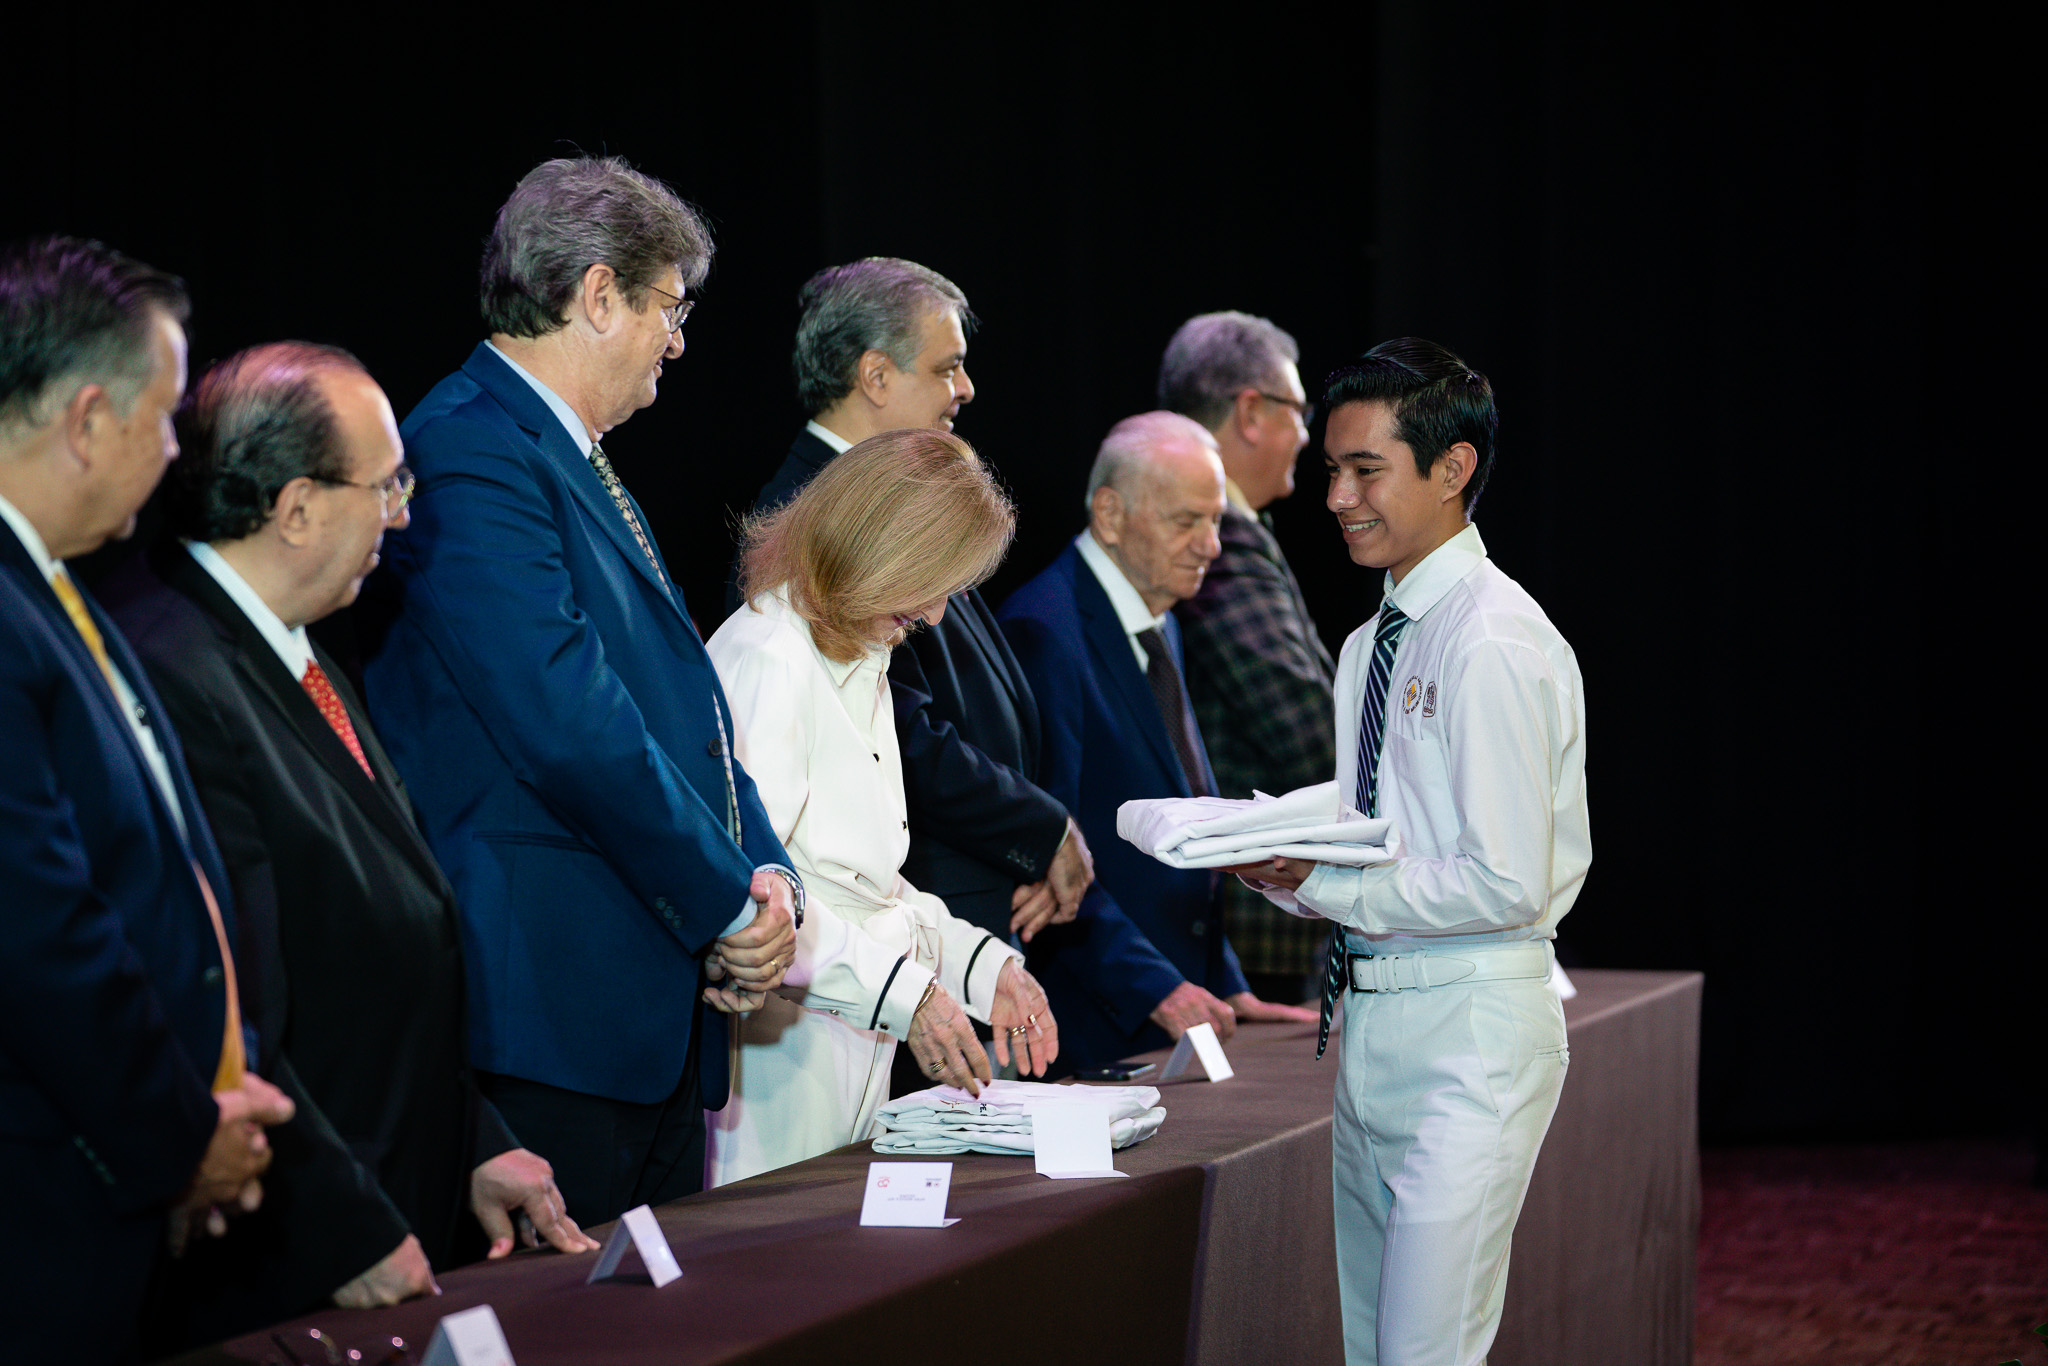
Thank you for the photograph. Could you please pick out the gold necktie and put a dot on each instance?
(227, 1074)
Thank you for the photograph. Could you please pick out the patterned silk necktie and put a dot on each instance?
(321, 689)
(610, 479)
(1168, 691)
(1372, 730)
(227, 1073)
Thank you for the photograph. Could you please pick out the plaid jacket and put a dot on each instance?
(1259, 679)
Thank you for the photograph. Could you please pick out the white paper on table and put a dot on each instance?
(907, 1195)
(1198, 1043)
(1070, 1138)
(473, 1337)
(640, 1230)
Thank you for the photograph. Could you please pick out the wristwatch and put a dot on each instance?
(796, 890)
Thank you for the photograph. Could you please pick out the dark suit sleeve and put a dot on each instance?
(496, 601)
(1103, 950)
(1259, 679)
(335, 1221)
(960, 796)
(78, 1017)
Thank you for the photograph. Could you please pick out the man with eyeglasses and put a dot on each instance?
(549, 703)
(1259, 676)
(351, 947)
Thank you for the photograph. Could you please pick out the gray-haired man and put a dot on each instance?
(882, 345)
(1258, 674)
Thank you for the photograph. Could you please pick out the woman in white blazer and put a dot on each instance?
(869, 550)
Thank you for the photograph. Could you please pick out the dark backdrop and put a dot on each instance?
(1709, 260)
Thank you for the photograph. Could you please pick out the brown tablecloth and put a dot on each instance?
(1217, 1248)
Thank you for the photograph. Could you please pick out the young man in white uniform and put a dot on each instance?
(1461, 718)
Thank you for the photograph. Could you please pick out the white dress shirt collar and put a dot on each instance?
(839, 444)
(775, 603)
(1130, 608)
(1438, 572)
(31, 539)
(557, 405)
(290, 643)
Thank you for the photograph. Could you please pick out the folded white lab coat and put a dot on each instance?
(1311, 823)
(944, 1119)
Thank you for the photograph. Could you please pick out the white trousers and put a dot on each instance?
(1443, 1098)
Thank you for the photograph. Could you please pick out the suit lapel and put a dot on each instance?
(538, 421)
(1112, 649)
(266, 677)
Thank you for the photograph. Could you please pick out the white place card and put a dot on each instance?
(1199, 1042)
(640, 1230)
(907, 1195)
(1070, 1138)
(470, 1338)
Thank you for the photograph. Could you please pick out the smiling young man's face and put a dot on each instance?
(1390, 514)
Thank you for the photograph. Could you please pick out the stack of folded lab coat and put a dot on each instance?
(945, 1119)
(1210, 832)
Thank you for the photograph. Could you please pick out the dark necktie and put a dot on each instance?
(1164, 676)
(1372, 728)
(610, 479)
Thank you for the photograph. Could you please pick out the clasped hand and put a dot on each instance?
(1056, 899)
(752, 961)
(237, 1155)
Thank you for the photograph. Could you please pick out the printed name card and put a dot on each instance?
(470, 1338)
(1070, 1138)
(907, 1195)
(639, 1230)
(1200, 1042)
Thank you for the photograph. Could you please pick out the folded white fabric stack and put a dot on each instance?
(945, 1119)
(1211, 832)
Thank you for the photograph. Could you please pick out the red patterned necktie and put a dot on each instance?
(329, 702)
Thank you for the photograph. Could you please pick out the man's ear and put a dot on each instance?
(87, 418)
(1106, 512)
(292, 513)
(1246, 414)
(1453, 470)
(873, 376)
(601, 299)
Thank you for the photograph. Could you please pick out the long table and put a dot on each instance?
(1217, 1248)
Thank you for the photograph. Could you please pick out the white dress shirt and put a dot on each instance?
(124, 691)
(839, 444)
(819, 739)
(1482, 771)
(290, 643)
(1131, 612)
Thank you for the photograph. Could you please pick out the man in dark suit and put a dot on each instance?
(882, 345)
(351, 948)
(1259, 676)
(1095, 636)
(556, 718)
(126, 1108)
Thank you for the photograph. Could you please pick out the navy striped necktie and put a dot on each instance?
(1372, 730)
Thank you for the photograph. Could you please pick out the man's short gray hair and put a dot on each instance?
(1215, 357)
(1124, 462)
(573, 213)
(875, 304)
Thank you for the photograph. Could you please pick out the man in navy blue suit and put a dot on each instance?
(550, 705)
(1096, 637)
(126, 1108)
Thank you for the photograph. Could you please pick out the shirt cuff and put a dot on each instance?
(899, 998)
(988, 958)
(749, 908)
(1332, 891)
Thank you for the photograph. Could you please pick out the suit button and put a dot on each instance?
(716, 747)
(1198, 928)
(661, 903)
(906, 825)
(213, 977)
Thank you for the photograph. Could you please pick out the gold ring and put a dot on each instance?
(937, 1068)
(1031, 1019)
(1015, 1030)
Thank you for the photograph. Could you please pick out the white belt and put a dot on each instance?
(1416, 971)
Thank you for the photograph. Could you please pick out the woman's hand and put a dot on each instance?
(943, 1042)
(1023, 1022)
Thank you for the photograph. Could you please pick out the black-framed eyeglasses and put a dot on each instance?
(1305, 409)
(392, 494)
(675, 314)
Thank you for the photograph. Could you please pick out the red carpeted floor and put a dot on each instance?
(1925, 1254)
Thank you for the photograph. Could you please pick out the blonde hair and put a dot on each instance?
(897, 521)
